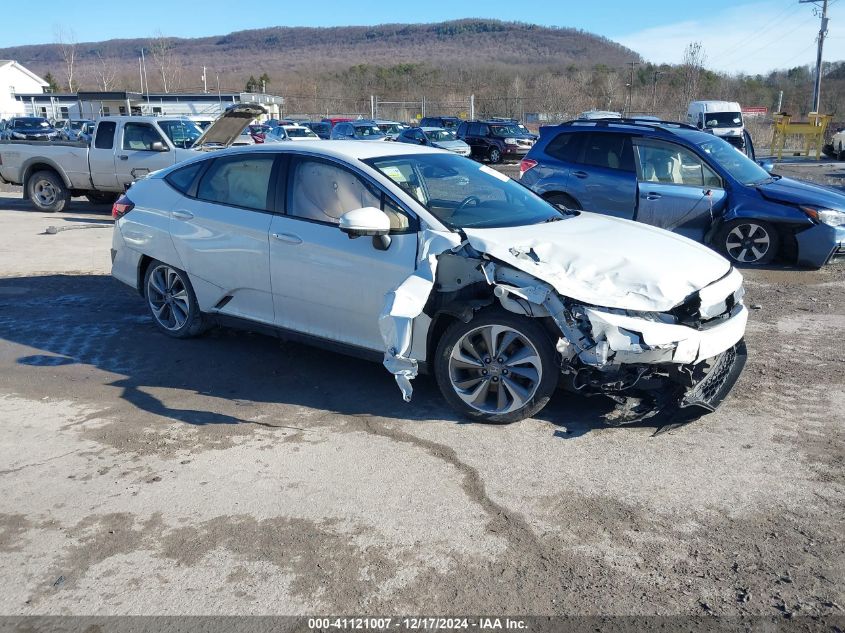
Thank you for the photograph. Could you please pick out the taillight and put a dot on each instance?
(525, 164)
(121, 207)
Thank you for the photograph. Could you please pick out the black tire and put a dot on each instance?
(743, 242)
(47, 191)
(563, 200)
(179, 318)
(537, 393)
(102, 197)
(494, 155)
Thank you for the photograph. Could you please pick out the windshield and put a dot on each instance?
(182, 134)
(505, 130)
(31, 123)
(367, 131)
(441, 136)
(77, 125)
(391, 128)
(463, 194)
(300, 132)
(737, 164)
(722, 119)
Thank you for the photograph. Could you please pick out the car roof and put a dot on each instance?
(644, 127)
(434, 129)
(344, 150)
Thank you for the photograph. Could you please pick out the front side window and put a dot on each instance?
(241, 181)
(463, 194)
(140, 137)
(672, 164)
(323, 192)
(612, 151)
(182, 134)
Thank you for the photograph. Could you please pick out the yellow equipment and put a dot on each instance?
(811, 133)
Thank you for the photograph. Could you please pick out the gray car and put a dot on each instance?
(435, 137)
(357, 131)
(73, 128)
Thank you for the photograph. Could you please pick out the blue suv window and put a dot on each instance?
(606, 149)
(566, 147)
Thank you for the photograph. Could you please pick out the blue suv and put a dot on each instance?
(678, 178)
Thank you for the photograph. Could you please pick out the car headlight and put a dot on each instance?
(831, 217)
(511, 141)
(18, 135)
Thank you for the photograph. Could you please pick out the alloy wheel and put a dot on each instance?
(495, 369)
(168, 298)
(748, 243)
(45, 193)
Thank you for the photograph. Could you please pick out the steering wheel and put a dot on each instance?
(466, 201)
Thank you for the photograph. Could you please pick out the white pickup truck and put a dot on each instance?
(123, 149)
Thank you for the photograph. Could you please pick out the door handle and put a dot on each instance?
(123, 157)
(579, 174)
(290, 238)
(651, 196)
(181, 215)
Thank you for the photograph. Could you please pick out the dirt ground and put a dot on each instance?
(235, 474)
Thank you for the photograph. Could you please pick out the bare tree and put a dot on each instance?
(66, 39)
(691, 68)
(105, 72)
(161, 49)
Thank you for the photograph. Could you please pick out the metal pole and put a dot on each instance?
(204, 82)
(141, 75)
(372, 106)
(822, 33)
(472, 107)
(780, 102)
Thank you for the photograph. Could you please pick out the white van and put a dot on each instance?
(722, 118)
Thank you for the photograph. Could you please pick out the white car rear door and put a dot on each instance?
(220, 230)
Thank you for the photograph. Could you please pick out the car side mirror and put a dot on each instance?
(158, 146)
(423, 141)
(367, 221)
(767, 165)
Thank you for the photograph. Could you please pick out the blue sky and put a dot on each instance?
(737, 36)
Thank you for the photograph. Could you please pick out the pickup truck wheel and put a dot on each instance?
(172, 302)
(500, 367)
(47, 191)
(101, 197)
(749, 242)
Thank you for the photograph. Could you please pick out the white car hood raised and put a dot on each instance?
(606, 261)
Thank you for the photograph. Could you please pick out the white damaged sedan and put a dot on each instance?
(426, 260)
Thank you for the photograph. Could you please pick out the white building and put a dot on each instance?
(16, 80)
(90, 105)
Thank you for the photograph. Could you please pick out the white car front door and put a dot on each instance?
(324, 283)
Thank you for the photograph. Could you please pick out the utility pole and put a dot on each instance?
(817, 88)
(657, 74)
(204, 81)
(631, 88)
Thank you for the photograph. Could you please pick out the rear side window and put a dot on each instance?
(105, 135)
(566, 147)
(182, 179)
(609, 150)
(241, 181)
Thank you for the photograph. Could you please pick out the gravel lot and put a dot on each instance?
(235, 474)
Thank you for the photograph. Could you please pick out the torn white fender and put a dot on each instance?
(405, 303)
